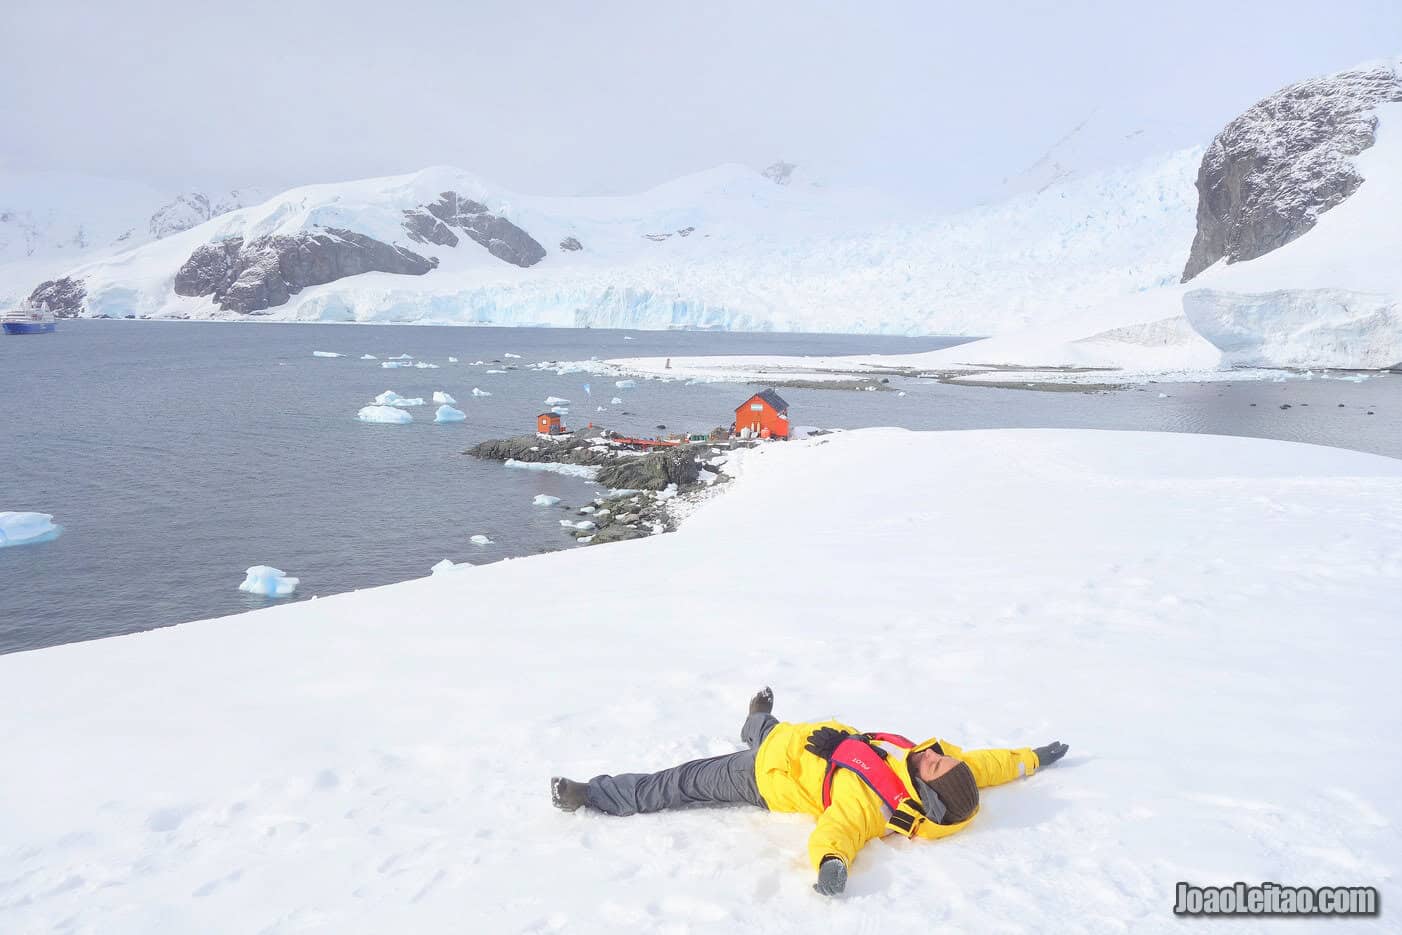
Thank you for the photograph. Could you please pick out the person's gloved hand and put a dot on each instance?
(1052, 752)
(824, 741)
(832, 876)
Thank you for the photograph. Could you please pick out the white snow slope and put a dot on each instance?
(755, 256)
(1209, 622)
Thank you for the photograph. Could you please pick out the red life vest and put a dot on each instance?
(857, 754)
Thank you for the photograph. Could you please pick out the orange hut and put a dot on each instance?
(765, 414)
(549, 423)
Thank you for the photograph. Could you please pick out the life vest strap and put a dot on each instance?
(869, 764)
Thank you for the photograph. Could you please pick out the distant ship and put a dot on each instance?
(27, 319)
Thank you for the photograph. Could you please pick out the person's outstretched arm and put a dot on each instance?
(997, 766)
(844, 828)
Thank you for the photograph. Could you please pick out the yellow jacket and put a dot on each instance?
(790, 779)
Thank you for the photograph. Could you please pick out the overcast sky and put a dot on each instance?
(934, 101)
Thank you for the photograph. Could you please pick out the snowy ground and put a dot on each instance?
(1209, 622)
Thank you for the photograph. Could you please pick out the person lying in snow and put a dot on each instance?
(858, 789)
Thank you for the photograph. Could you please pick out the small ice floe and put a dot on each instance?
(509, 354)
(268, 581)
(583, 540)
(556, 401)
(584, 524)
(368, 357)
(401, 357)
(616, 401)
(544, 499)
(449, 414)
(425, 365)
(452, 360)
(560, 410)
(901, 393)
(626, 384)
(326, 354)
(19, 528)
(627, 337)
(480, 539)
(391, 398)
(477, 392)
(391, 364)
(441, 397)
(1163, 396)
(496, 371)
(477, 363)
(667, 492)
(388, 415)
(441, 567)
(588, 509)
(600, 409)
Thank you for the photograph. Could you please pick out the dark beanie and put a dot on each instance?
(959, 793)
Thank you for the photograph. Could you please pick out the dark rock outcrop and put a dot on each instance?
(64, 297)
(1289, 158)
(504, 240)
(264, 273)
(571, 243)
(652, 471)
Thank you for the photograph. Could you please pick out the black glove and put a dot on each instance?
(824, 741)
(1052, 752)
(832, 876)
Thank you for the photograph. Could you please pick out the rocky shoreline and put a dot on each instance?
(644, 487)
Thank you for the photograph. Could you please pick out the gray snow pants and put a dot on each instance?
(718, 779)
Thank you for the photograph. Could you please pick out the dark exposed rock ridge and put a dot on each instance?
(433, 223)
(264, 273)
(1273, 170)
(64, 297)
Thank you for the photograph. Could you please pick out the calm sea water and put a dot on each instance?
(178, 454)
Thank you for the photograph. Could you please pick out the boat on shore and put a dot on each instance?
(29, 319)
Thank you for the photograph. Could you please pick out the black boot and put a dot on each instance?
(566, 794)
(763, 701)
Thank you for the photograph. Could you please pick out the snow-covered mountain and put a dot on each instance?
(731, 248)
(53, 221)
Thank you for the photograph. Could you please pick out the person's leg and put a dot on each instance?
(757, 727)
(729, 778)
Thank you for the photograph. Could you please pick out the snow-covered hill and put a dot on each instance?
(1209, 622)
(726, 248)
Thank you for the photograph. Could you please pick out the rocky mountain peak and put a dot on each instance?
(1271, 172)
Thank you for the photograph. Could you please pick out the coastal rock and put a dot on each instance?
(653, 471)
(616, 533)
(264, 273)
(64, 297)
(1271, 172)
(504, 240)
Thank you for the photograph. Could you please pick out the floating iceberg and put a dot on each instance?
(368, 357)
(616, 401)
(477, 392)
(391, 398)
(441, 397)
(627, 337)
(452, 360)
(560, 410)
(496, 371)
(425, 365)
(326, 354)
(402, 357)
(480, 539)
(26, 528)
(626, 384)
(583, 525)
(556, 401)
(544, 499)
(389, 415)
(449, 414)
(268, 581)
(391, 364)
(509, 354)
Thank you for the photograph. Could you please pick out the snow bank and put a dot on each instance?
(441, 397)
(20, 528)
(449, 414)
(572, 470)
(1186, 611)
(268, 581)
(390, 415)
